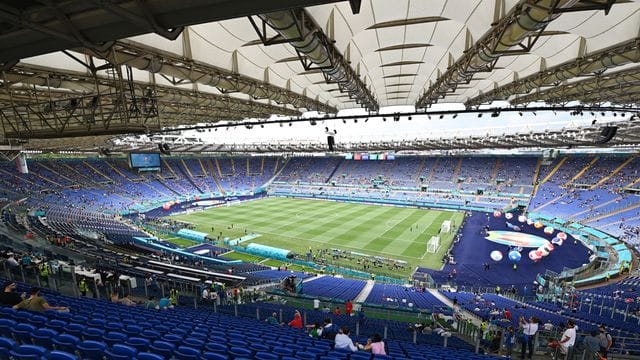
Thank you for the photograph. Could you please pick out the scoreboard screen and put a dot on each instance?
(144, 160)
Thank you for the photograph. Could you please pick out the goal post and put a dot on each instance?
(433, 244)
(446, 226)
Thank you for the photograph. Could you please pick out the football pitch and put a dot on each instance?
(299, 224)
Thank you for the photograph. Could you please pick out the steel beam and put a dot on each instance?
(31, 28)
(598, 86)
(596, 62)
(190, 71)
(45, 103)
(516, 33)
(316, 51)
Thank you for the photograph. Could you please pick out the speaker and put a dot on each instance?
(164, 148)
(331, 141)
(607, 133)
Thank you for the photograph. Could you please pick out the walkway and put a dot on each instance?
(364, 294)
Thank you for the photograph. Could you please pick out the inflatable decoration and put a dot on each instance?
(529, 222)
(496, 255)
(166, 206)
(522, 218)
(197, 198)
(497, 213)
(549, 247)
(508, 216)
(514, 256)
(549, 230)
(562, 236)
(533, 255)
(557, 241)
(538, 225)
(543, 251)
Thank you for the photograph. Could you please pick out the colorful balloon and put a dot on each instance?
(508, 216)
(496, 255)
(497, 214)
(562, 236)
(529, 222)
(533, 255)
(522, 218)
(538, 225)
(549, 230)
(514, 256)
(557, 241)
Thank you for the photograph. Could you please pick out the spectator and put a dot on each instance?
(509, 341)
(348, 307)
(529, 330)
(548, 326)
(37, 303)
(115, 298)
(9, 296)
(568, 338)
(375, 345)
(337, 311)
(297, 320)
(316, 304)
(605, 341)
(329, 330)
(343, 341)
(507, 314)
(273, 319)
(592, 345)
(316, 330)
(127, 301)
(151, 304)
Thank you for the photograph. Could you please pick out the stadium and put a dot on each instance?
(319, 179)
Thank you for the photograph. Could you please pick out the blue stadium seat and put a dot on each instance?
(66, 342)
(140, 344)
(236, 351)
(163, 348)
(5, 327)
(265, 356)
(113, 337)
(27, 352)
(60, 355)
(93, 334)
(43, 337)
(149, 356)
(186, 353)
(93, 350)
(120, 352)
(6, 345)
(55, 324)
(214, 356)
(194, 343)
(22, 333)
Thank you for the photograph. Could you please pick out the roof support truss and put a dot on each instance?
(596, 62)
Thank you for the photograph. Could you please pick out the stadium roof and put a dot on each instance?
(138, 67)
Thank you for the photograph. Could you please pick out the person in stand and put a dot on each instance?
(329, 330)
(272, 320)
(297, 321)
(348, 307)
(568, 338)
(605, 341)
(82, 286)
(344, 342)
(9, 296)
(337, 311)
(529, 330)
(173, 297)
(509, 341)
(37, 303)
(375, 345)
(316, 304)
(592, 345)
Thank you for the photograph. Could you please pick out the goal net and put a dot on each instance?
(433, 244)
(446, 226)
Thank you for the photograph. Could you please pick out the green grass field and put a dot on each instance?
(297, 224)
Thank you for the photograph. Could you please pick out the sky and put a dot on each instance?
(420, 127)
